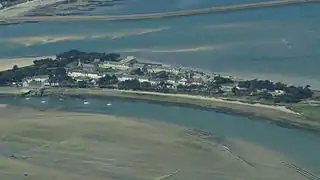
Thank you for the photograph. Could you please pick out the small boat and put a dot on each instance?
(43, 101)
(109, 104)
(86, 102)
(27, 98)
(286, 43)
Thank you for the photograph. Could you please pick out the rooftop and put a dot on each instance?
(37, 77)
(113, 62)
(133, 76)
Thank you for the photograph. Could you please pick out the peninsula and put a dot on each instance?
(109, 74)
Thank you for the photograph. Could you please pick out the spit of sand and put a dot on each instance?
(8, 63)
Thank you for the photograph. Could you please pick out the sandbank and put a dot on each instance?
(50, 144)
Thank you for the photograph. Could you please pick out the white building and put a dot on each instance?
(182, 81)
(114, 65)
(128, 59)
(153, 82)
(195, 83)
(228, 88)
(75, 74)
(37, 78)
(139, 78)
(164, 68)
(143, 79)
(277, 93)
(170, 81)
(125, 78)
(41, 80)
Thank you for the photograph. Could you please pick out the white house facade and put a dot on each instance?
(75, 74)
(114, 65)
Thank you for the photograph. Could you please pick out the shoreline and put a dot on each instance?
(279, 115)
(218, 9)
(8, 63)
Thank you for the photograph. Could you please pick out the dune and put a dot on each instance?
(8, 63)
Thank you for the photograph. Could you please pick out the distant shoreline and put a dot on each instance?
(276, 114)
(21, 19)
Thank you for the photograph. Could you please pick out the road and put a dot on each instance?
(161, 15)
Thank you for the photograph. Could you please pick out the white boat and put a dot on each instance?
(286, 43)
(109, 104)
(86, 102)
(27, 98)
(43, 101)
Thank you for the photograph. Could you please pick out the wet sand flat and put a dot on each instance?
(47, 39)
(51, 144)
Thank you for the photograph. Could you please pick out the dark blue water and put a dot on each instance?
(300, 145)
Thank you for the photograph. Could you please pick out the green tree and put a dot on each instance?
(222, 80)
(82, 84)
(107, 80)
(146, 86)
(15, 67)
(137, 71)
(130, 84)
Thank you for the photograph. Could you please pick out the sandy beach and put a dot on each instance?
(22, 8)
(51, 144)
(8, 63)
(278, 108)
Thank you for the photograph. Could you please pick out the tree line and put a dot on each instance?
(88, 57)
(291, 94)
